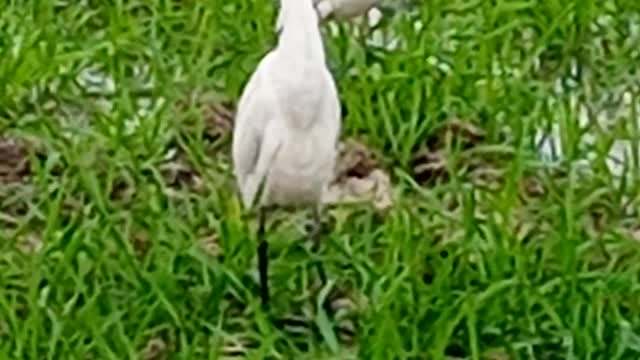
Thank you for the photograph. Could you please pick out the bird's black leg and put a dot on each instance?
(263, 259)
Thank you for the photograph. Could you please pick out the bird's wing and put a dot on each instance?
(248, 125)
(256, 141)
(333, 108)
(256, 136)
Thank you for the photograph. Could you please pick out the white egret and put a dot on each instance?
(343, 9)
(287, 126)
(346, 10)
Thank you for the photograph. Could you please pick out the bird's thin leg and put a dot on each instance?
(314, 236)
(263, 259)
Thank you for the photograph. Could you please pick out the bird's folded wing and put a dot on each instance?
(249, 124)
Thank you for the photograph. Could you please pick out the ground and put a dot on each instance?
(500, 139)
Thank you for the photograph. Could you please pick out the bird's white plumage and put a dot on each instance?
(288, 119)
(343, 9)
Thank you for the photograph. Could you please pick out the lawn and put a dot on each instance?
(495, 146)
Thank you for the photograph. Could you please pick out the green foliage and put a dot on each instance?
(455, 269)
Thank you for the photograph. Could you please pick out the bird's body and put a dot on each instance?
(286, 132)
(343, 9)
(288, 120)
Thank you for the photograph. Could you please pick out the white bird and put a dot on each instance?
(343, 9)
(287, 125)
(349, 10)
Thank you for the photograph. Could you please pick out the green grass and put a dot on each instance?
(499, 255)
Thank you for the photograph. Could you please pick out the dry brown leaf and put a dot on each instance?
(235, 347)
(178, 171)
(383, 198)
(487, 176)
(14, 160)
(429, 165)
(342, 300)
(218, 119)
(346, 330)
(354, 160)
(218, 115)
(532, 186)
(465, 131)
(458, 131)
(359, 178)
(375, 188)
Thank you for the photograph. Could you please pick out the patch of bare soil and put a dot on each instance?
(532, 186)
(429, 163)
(16, 193)
(218, 118)
(19, 196)
(179, 172)
(218, 114)
(14, 161)
(123, 189)
(140, 242)
(359, 178)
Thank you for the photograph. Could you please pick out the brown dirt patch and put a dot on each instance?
(179, 171)
(217, 113)
(14, 161)
(359, 178)
(429, 163)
